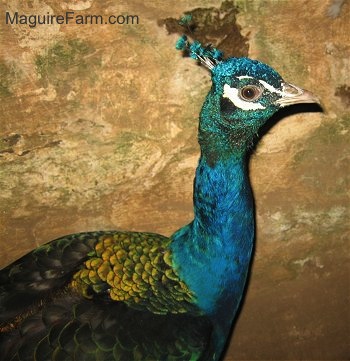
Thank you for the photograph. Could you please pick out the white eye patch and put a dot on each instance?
(270, 88)
(244, 77)
(232, 94)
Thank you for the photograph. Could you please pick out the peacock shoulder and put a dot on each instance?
(137, 269)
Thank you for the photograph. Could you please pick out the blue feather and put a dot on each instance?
(219, 241)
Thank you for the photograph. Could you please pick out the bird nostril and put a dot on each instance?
(291, 89)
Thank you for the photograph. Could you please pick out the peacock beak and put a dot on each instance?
(291, 94)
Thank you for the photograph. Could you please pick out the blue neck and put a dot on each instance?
(212, 254)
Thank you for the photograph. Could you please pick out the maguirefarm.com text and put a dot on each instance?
(69, 17)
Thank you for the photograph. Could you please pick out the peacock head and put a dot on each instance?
(245, 93)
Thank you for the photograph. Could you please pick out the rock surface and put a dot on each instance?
(98, 131)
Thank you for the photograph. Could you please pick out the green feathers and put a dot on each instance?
(137, 269)
(47, 316)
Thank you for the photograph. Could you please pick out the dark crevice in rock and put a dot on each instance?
(216, 26)
(343, 92)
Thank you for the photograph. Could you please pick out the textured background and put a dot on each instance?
(98, 131)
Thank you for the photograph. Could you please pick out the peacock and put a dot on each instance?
(117, 295)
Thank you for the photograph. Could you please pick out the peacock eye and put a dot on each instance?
(250, 93)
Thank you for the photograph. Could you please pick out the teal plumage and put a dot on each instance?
(115, 295)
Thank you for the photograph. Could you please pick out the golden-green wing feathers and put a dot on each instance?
(100, 296)
(137, 269)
